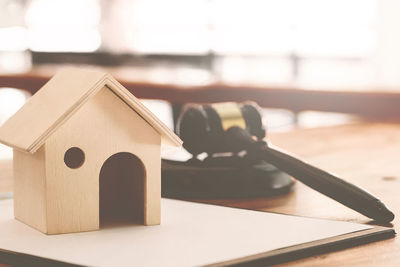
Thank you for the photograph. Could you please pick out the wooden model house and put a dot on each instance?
(85, 151)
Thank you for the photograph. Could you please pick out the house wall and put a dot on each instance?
(29, 188)
(105, 125)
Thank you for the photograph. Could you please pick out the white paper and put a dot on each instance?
(191, 234)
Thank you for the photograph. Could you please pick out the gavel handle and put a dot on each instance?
(328, 184)
(322, 181)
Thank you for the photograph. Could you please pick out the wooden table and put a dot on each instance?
(367, 154)
(371, 102)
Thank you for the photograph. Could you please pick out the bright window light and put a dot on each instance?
(13, 39)
(165, 27)
(10, 101)
(64, 25)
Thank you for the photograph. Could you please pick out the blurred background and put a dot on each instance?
(295, 52)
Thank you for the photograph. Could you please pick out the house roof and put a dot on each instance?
(61, 97)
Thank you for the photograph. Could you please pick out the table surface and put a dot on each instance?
(366, 154)
(179, 86)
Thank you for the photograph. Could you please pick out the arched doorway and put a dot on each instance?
(121, 189)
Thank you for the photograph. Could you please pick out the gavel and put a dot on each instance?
(238, 127)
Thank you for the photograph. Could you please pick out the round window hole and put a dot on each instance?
(74, 157)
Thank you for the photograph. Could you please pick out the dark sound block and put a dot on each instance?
(230, 177)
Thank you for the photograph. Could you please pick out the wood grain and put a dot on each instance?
(47, 109)
(30, 188)
(366, 154)
(6, 176)
(103, 127)
(92, 113)
(59, 99)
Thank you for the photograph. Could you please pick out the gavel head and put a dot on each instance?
(203, 128)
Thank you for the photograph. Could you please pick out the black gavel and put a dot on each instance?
(204, 128)
(232, 127)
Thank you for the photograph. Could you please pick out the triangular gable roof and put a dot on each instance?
(58, 99)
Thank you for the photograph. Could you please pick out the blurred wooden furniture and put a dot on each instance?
(372, 103)
(366, 154)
